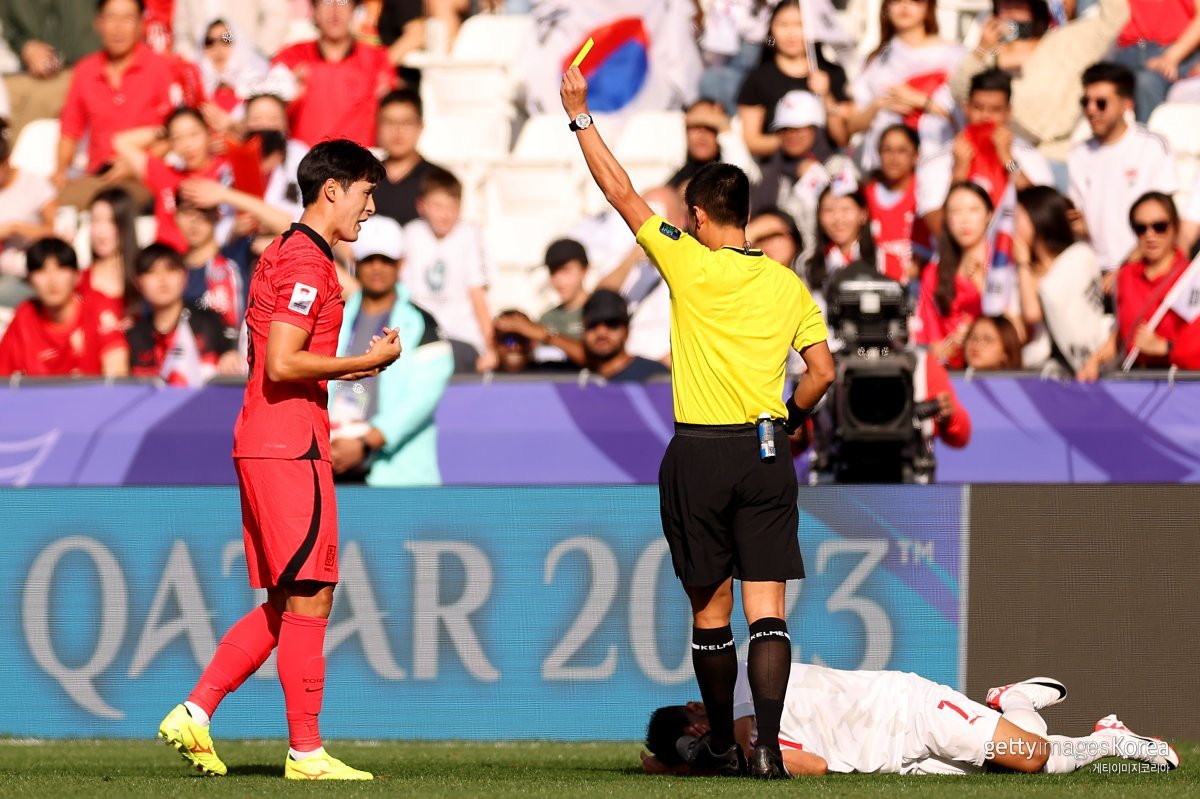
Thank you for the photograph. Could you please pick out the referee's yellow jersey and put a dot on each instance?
(734, 316)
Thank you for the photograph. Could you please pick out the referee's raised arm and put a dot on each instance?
(608, 173)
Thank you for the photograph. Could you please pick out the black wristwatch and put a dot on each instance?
(581, 122)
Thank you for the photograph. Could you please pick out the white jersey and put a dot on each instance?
(877, 722)
(1106, 179)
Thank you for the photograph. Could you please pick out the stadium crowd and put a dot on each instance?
(1003, 171)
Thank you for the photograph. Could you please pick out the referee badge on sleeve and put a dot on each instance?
(669, 230)
(302, 299)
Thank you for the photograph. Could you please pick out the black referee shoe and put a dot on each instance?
(698, 753)
(767, 764)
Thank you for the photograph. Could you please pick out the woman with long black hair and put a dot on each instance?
(952, 285)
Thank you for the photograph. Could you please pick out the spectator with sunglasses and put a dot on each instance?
(1120, 163)
(1143, 284)
(605, 331)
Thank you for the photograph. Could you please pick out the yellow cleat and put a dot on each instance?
(191, 741)
(322, 766)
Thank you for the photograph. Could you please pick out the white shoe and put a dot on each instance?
(1132, 746)
(1042, 691)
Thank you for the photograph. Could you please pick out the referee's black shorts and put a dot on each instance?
(725, 511)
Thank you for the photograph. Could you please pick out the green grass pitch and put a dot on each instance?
(527, 770)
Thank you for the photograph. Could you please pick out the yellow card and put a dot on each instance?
(587, 48)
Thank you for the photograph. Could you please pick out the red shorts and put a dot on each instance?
(289, 520)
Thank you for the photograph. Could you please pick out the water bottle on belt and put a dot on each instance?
(766, 437)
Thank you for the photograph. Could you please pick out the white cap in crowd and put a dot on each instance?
(798, 109)
(379, 235)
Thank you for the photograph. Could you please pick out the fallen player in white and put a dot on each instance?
(890, 722)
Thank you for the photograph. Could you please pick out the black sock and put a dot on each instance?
(714, 657)
(770, 664)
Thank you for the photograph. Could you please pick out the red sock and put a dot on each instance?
(244, 648)
(302, 674)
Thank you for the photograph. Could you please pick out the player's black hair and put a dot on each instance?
(43, 250)
(1108, 72)
(100, 4)
(180, 113)
(723, 191)
(336, 159)
(665, 728)
(438, 179)
(156, 252)
(403, 97)
(993, 80)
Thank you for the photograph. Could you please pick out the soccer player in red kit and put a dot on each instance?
(281, 452)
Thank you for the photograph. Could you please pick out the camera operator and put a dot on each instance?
(864, 433)
(1046, 65)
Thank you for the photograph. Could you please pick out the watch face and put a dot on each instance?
(583, 121)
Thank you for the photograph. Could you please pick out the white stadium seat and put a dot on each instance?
(548, 189)
(449, 87)
(654, 137)
(465, 137)
(493, 39)
(36, 148)
(1178, 123)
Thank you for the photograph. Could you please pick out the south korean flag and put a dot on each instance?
(1187, 294)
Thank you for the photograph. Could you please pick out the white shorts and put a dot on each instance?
(947, 726)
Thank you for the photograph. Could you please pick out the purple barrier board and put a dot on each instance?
(1025, 430)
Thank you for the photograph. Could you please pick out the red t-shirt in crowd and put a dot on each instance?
(33, 345)
(146, 92)
(955, 430)
(338, 99)
(934, 327)
(1159, 21)
(164, 181)
(295, 283)
(1137, 300)
(897, 229)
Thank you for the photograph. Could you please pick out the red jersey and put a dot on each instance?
(146, 93)
(1137, 300)
(897, 230)
(295, 283)
(934, 327)
(35, 346)
(338, 99)
(164, 181)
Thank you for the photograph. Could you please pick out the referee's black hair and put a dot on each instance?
(666, 727)
(336, 159)
(723, 191)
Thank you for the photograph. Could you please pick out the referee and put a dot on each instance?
(728, 507)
